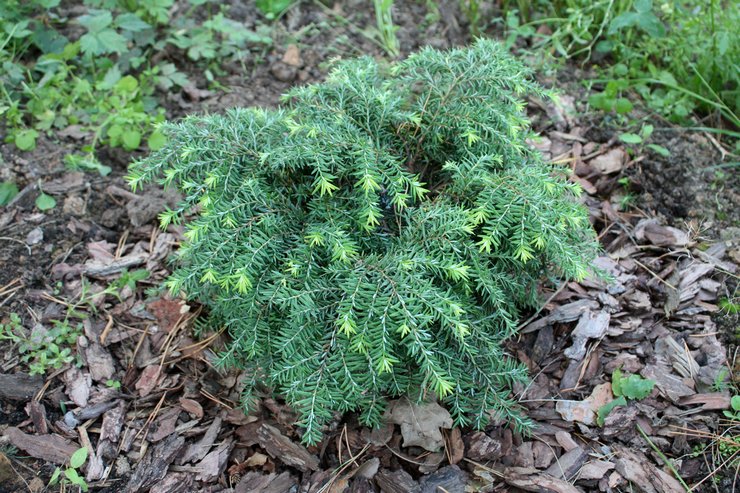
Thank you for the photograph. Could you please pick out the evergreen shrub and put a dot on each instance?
(378, 235)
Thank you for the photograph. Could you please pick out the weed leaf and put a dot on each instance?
(45, 202)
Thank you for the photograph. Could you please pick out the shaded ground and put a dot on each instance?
(157, 416)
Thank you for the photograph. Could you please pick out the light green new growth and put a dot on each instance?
(378, 235)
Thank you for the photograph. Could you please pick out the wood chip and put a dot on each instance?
(450, 478)
(78, 386)
(590, 326)
(456, 447)
(196, 451)
(256, 482)
(19, 386)
(51, 448)
(148, 380)
(192, 407)
(481, 447)
(164, 425)
(566, 440)
(153, 467)
(175, 482)
(100, 362)
(709, 402)
(567, 465)
(214, 464)
(529, 479)
(636, 468)
(595, 469)
(398, 481)
(37, 412)
(278, 446)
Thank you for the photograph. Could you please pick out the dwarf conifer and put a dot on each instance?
(377, 235)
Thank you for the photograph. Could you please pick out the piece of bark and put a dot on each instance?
(595, 469)
(590, 326)
(572, 311)
(669, 384)
(248, 434)
(637, 469)
(360, 485)
(153, 467)
(543, 454)
(164, 425)
(95, 410)
(456, 446)
(565, 440)
(37, 412)
(176, 482)
(78, 386)
(281, 447)
(192, 407)
(214, 464)
(398, 481)
(110, 432)
(568, 464)
(533, 480)
(481, 447)
(99, 269)
(198, 450)
(19, 386)
(709, 402)
(256, 482)
(100, 362)
(51, 448)
(450, 478)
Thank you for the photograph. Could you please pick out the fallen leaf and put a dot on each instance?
(609, 162)
(420, 423)
(148, 380)
(585, 411)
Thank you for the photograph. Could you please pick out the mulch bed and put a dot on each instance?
(174, 424)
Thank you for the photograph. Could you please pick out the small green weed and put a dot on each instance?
(386, 28)
(8, 191)
(42, 349)
(273, 8)
(103, 87)
(734, 415)
(679, 56)
(630, 387)
(71, 474)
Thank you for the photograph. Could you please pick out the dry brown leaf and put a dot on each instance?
(420, 423)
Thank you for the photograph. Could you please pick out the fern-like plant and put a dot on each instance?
(378, 235)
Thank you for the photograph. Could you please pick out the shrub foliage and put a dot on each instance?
(378, 235)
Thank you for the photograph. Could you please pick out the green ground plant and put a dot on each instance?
(625, 388)
(377, 236)
(679, 56)
(43, 348)
(386, 28)
(70, 475)
(104, 87)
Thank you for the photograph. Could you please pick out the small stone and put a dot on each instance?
(283, 72)
(74, 206)
(35, 236)
(292, 56)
